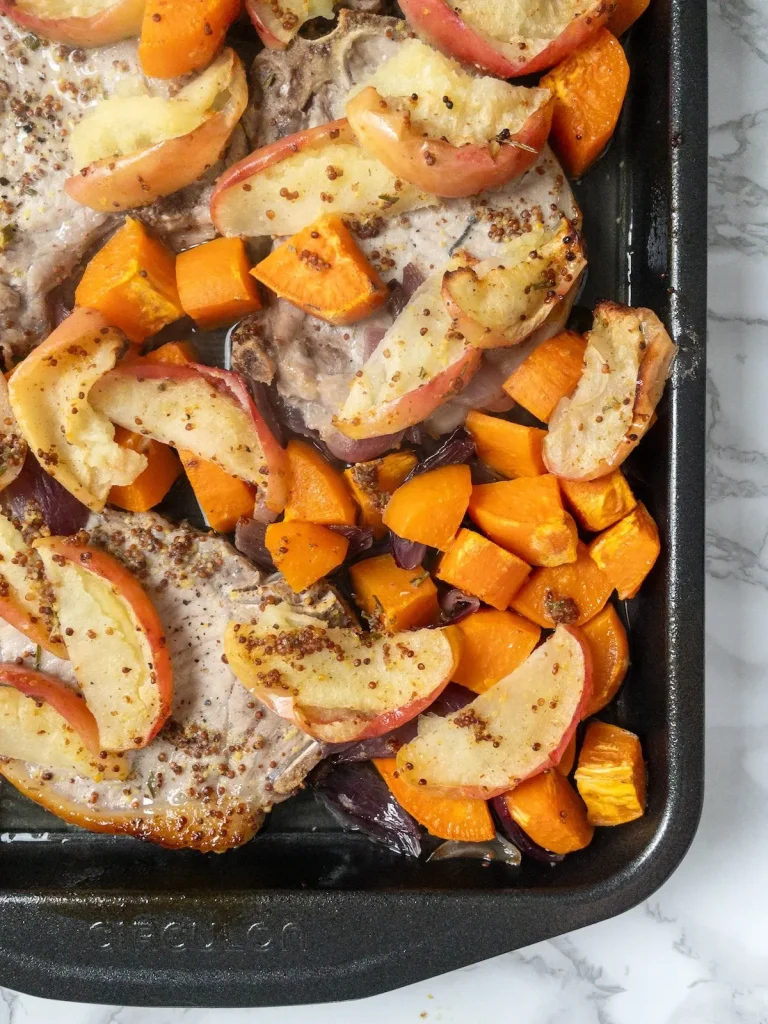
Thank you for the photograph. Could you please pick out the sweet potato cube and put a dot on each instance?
(304, 552)
(132, 281)
(430, 507)
(494, 644)
(391, 598)
(323, 271)
(551, 812)
(178, 352)
(549, 373)
(372, 484)
(318, 492)
(477, 566)
(467, 819)
(608, 643)
(569, 594)
(179, 36)
(153, 483)
(589, 88)
(626, 14)
(627, 551)
(526, 516)
(214, 282)
(611, 775)
(509, 448)
(598, 504)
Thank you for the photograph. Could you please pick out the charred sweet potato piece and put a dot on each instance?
(572, 593)
(372, 484)
(627, 551)
(611, 775)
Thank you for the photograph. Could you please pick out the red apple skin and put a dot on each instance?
(125, 583)
(267, 36)
(120, 21)
(137, 179)
(232, 384)
(261, 159)
(440, 25)
(453, 171)
(20, 619)
(416, 405)
(68, 702)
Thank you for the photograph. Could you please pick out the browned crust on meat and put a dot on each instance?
(215, 829)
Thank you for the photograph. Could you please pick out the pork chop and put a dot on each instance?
(305, 85)
(222, 760)
(45, 89)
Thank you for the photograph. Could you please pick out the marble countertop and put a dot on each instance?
(697, 951)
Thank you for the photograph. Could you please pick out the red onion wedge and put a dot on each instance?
(358, 797)
(519, 837)
(498, 849)
(62, 513)
(249, 540)
(360, 540)
(455, 450)
(455, 605)
(406, 553)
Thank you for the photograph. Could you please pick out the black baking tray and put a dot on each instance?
(307, 913)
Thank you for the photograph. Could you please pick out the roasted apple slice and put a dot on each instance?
(49, 394)
(278, 21)
(499, 302)
(281, 188)
(339, 684)
(626, 364)
(419, 363)
(82, 23)
(198, 409)
(45, 722)
(130, 150)
(13, 447)
(508, 39)
(115, 641)
(25, 600)
(446, 131)
(514, 730)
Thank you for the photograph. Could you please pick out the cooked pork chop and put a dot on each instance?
(45, 89)
(305, 85)
(222, 760)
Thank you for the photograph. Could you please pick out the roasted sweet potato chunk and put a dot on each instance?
(611, 775)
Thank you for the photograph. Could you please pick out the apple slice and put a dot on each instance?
(49, 395)
(281, 188)
(446, 131)
(13, 447)
(24, 598)
(419, 363)
(516, 729)
(134, 149)
(508, 39)
(339, 684)
(278, 21)
(45, 722)
(499, 302)
(81, 23)
(199, 409)
(626, 364)
(115, 641)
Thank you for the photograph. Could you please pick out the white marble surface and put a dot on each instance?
(697, 952)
